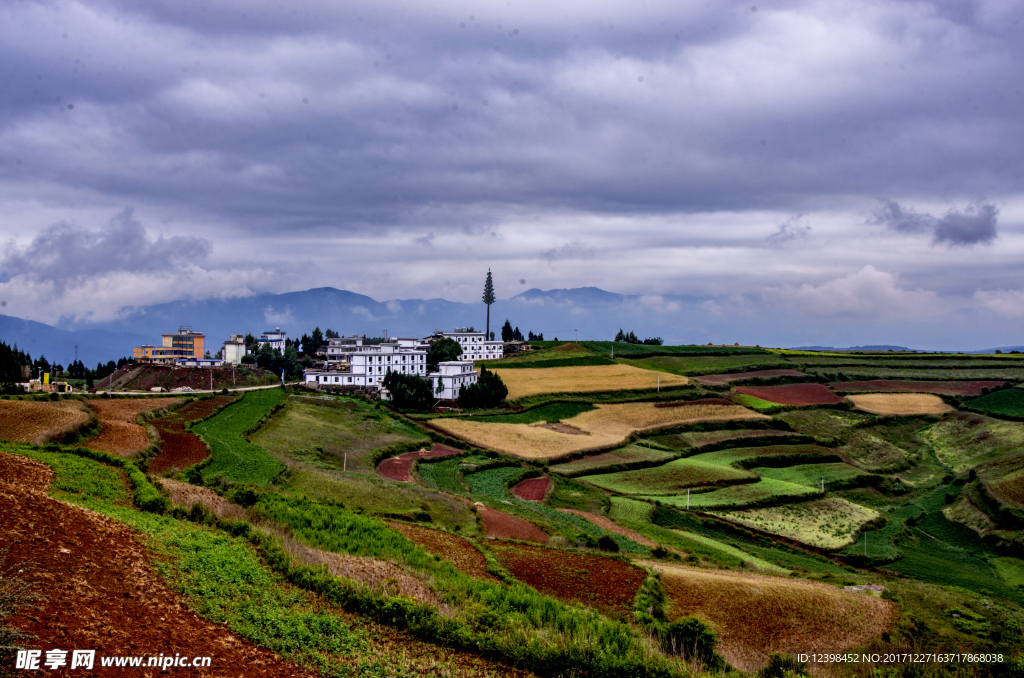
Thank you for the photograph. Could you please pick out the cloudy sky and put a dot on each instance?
(798, 165)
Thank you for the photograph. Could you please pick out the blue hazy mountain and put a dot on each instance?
(94, 345)
(592, 312)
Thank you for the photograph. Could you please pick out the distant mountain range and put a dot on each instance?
(583, 313)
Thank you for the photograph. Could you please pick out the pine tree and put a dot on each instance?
(506, 331)
(488, 299)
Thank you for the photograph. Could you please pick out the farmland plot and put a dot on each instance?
(835, 475)
(607, 584)
(829, 523)
(179, 447)
(38, 422)
(630, 510)
(738, 496)
(670, 478)
(398, 468)
(524, 382)
(444, 475)
(234, 457)
(723, 379)
(822, 424)
(120, 434)
(795, 394)
(459, 551)
(899, 403)
(1009, 402)
(749, 456)
(603, 427)
(629, 454)
(759, 614)
(937, 387)
(963, 440)
(870, 452)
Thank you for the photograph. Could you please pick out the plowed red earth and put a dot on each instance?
(120, 434)
(607, 584)
(967, 388)
(180, 448)
(690, 403)
(397, 468)
(102, 593)
(460, 552)
(797, 394)
(722, 379)
(498, 525)
(532, 489)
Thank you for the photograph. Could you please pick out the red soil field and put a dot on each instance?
(498, 525)
(723, 379)
(101, 592)
(797, 394)
(38, 422)
(691, 403)
(397, 468)
(532, 489)
(967, 388)
(1009, 489)
(466, 558)
(120, 434)
(179, 448)
(606, 584)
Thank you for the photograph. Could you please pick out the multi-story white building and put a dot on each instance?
(475, 345)
(234, 350)
(338, 348)
(276, 339)
(450, 377)
(367, 366)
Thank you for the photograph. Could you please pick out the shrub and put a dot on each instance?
(606, 543)
(488, 391)
(692, 639)
(782, 666)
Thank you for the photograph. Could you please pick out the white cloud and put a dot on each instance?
(868, 293)
(1005, 303)
(278, 318)
(659, 303)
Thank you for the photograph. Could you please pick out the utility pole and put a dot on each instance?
(687, 499)
(577, 335)
(823, 484)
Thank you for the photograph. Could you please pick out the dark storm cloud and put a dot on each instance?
(344, 116)
(970, 226)
(65, 252)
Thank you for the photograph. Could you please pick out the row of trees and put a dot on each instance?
(510, 334)
(631, 338)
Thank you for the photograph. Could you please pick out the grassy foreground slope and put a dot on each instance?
(234, 457)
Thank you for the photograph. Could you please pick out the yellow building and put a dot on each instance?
(183, 344)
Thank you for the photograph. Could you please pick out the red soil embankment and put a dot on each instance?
(532, 489)
(966, 388)
(397, 468)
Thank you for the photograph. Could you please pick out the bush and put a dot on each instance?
(408, 391)
(692, 639)
(488, 391)
(781, 666)
(606, 543)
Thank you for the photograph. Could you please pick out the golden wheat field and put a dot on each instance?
(900, 403)
(757, 614)
(829, 523)
(38, 422)
(522, 382)
(606, 426)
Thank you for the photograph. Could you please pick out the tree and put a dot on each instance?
(408, 391)
(443, 350)
(317, 337)
(488, 391)
(507, 333)
(251, 343)
(654, 341)
(517, 335)
(488, 299)
(331, 334)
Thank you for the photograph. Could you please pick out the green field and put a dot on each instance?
(1008, 402)
(874, 454)
(696, 365)
(964, 440)
(444, 475)
(630, 510)
(759, 456)
(834, 474)
(753, 403)
(493, 482)
(764, 491)
(827, 523)
(234, 457)
(630, 454)
(705, 548)
(822, 424)
(669, 478)
(332, 432)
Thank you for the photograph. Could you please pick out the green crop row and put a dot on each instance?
(235, 458)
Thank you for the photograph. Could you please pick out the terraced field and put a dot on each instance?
(630, 454)
(1009, 402)
(795, 394)
(830, 523)
(834, 475)
(120, 434)
(670, 478)
(234, 457)
(525, 382)
(38, 422)
(899, 403)
(738, 496)
(602, 427)
(963, 440)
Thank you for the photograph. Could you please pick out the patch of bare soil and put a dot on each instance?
(563, 428)
(102, 592)
(611, 526)
(120, 434)
(27, 421)
(466, 558)
(498, 525)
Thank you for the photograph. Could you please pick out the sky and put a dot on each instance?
(834, 171)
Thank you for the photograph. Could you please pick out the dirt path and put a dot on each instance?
(103, 595)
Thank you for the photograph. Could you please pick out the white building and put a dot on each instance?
(450, 377)
(276, 339)
(234, 350)
(475, 345)
(339, 348)
(369, 365)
